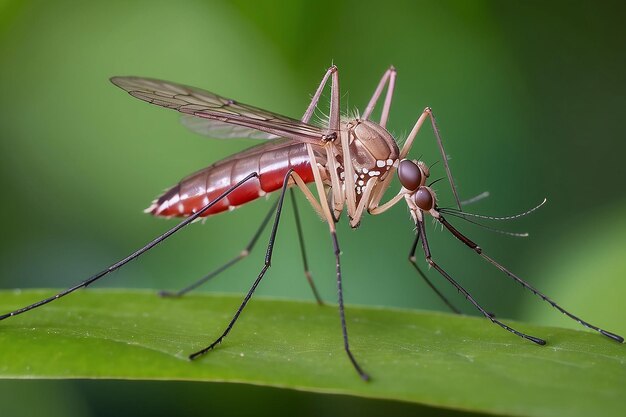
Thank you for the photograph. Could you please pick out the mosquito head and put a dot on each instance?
(412, 176)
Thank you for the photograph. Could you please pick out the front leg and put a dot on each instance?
(428, 113)
(422, 231)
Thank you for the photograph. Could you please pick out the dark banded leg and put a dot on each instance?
(267, 264)
(334, 127)
(243, 254)
(425, 278)
(132, 256)
(246, 252)
(460, 236)
(342, 313)
(431, 262)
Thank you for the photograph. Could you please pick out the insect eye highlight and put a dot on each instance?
(410, 175)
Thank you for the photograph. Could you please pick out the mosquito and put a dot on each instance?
(350, 161)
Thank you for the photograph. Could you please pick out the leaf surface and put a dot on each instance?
(436, 359)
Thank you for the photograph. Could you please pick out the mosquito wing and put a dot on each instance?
(203, 104)
(222, 130)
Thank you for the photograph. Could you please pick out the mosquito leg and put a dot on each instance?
(342, 312)
(431, 262)
(330, 200)
(428, 113)
(334, 124)
(268, 262)
(365, 198)
(375, 207)
(334, 127)
(336, 193)
(333, 131)
(388, 76)
(388, 98)
(244, 253)
(349, 180)
(378, 189)
(425, 278)
(331, 224)
(305, 262)
(318, 93)
(325, 209)
(132, 256)
(460, 236)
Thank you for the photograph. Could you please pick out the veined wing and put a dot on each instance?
(222, 130)
(200, 103)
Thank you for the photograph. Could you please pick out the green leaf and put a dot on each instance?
(430, 358)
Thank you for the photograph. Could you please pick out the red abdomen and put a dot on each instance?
(270, 160)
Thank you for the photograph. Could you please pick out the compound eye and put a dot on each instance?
(424, 198)
(410, 175)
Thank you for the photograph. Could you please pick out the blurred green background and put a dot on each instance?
(530, 99)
